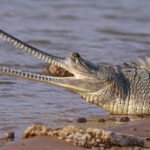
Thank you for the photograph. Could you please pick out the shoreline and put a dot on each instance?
(140, 128)
(40, 143)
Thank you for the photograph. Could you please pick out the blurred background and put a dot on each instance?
(101, 31)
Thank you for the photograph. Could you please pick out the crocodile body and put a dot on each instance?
(119, 90)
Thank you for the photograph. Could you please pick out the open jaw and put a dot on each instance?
(76, 79)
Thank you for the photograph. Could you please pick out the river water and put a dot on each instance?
(102, 31)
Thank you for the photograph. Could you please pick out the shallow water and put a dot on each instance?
(101, 31)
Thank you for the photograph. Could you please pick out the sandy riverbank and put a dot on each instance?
(40, 143)
(139, 128)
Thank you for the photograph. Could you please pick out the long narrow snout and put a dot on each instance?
(80, 81)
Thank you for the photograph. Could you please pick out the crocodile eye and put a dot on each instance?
(76, 55)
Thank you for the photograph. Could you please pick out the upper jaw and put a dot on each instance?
(50, 59)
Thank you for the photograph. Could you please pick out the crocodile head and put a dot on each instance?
(84, 76)
(81, 77)
(98, 84)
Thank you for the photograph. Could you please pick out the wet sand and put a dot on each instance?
(139, 128)
(40, 143)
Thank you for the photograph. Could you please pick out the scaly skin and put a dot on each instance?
(118, 90)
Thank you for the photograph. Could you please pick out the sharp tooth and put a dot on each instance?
(42, 77)
(36, 54)
(25, 49)
(23, 74)
(30, 75)
(22, 46)
(12, 41)
(8, 39)
(26, 75)
(4, 37)
(49, 61)
(88, 98)
(43, 57)
(46, 59)
(11, 70)
(52, 62)
(18, 45)
(15, 43)
(33, 52)
(39, 55)
(29, 50)
(56, 63)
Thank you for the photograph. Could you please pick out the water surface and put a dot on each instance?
(100, 30)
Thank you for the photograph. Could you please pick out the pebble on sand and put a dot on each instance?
(82, 120)
(124, 119)
(8, 136)
(101, 120)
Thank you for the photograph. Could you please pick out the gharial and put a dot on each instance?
(117, 89)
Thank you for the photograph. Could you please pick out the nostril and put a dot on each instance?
(76, 54)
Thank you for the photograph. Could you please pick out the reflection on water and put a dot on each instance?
(101, 31)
